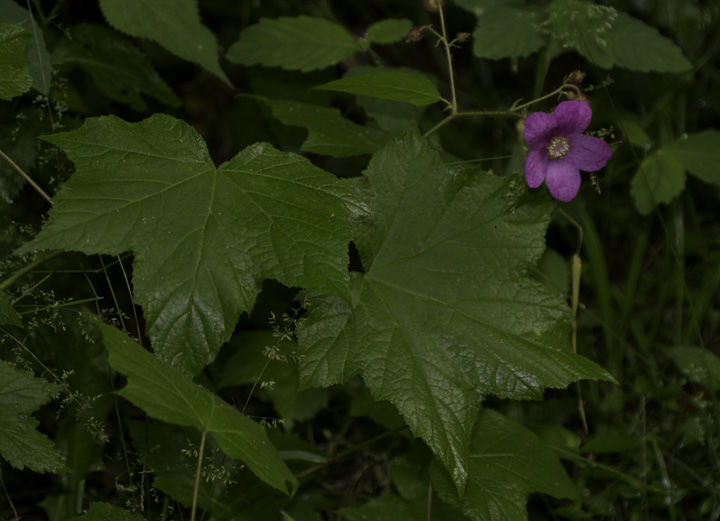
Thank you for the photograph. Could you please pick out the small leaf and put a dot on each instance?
(584, 27)
(14, 77)
(36, 51)
(118, 69)
(203, 238)
(20, 443)
(8, 315)
(508, 31)
(394, 117)
(445, 311)
(659, 179)
(300, 43)
(640, 47)
(699, 153)
(389, 31)
(174, 24)
(507, 464)
(634, 133)
(700, 365)
(328, 132)
(107, 512)
(166, 395)
(396, 86)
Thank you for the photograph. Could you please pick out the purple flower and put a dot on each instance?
(558, 150)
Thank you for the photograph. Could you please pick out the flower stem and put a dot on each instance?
(514, 110)
(448, 56)
(439, 125)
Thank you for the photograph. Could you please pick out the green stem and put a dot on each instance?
(198, 475)
(63, 305)
(439, 125)
(27, 269)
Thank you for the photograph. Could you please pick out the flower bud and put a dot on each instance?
(575, 77)
(462, 37)
(433, 5)
(415, 34)
(573, 95)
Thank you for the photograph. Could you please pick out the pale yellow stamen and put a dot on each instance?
(558, 147)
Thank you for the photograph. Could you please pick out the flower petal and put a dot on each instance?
(562, 179)
(572, 117)
(536, 165)
(588, 153)
(539, 128)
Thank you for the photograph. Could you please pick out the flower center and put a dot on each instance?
(558, 147)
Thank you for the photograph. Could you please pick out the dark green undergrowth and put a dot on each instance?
(279, 261)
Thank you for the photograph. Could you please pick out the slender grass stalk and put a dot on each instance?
(27, 178)
(198, 475)
(27, 269)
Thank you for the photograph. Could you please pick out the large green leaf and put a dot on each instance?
(174, 24)
(203, 238)
(163, 393)
(508, 463)
(699, 153)
(584, 27)
(328, 132)
(118, 69)
(14, 76)
(390, 85)
(20, 442)
(508, 31)
(445, 311)
(36, 51)
(639, 47)
(659, 179)
(300, 43)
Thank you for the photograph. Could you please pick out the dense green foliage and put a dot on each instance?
(278, 261)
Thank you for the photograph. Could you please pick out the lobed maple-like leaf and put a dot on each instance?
(445, 311)
(203, 238)
(509, 462)
(20, 442)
